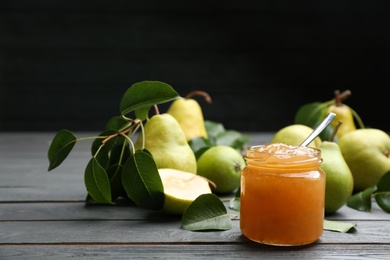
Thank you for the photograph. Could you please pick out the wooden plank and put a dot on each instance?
(34, 228)
(23, 167)
(156, 231)
(193, 251)
(35, 211)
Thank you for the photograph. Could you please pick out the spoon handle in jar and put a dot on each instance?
(327, 120)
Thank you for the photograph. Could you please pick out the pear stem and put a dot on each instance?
(156, 110)
(206, 96)
(336, 128)
(340, 97)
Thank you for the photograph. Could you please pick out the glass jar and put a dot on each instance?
(282, 195)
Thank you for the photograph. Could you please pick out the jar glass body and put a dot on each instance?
(282, 195)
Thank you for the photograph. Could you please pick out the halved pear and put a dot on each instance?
(181, 189)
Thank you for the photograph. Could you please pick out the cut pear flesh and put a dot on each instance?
(181, 189)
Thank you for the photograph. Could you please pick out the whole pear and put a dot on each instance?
(295, 134)
(343, 114)
(366, 151)
(222, 165)
(339, 179)
(189, 114)
(167, 143)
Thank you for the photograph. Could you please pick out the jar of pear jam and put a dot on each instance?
(282, 195)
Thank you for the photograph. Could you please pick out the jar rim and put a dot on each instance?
(287, 155)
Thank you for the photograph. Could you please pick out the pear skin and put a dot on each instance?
(189, 114)
(343, 114)
(295, 134)
(166, 141)
(367, 153)
(339, 178)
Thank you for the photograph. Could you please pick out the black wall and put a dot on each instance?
(66, 64)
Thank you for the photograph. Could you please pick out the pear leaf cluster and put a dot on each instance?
(381, 193)
(118, 170)
(218, 135)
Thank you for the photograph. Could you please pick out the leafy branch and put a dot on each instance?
(116, 169)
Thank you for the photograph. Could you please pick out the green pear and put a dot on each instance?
(189, 114)
(222, 165)
(339, 179)
(366, 151)
(167, 143)
(294, 135)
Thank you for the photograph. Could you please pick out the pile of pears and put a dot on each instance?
(167, 136)
(354, 157)
(152, 158)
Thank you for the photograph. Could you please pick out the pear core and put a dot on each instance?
(181, 189)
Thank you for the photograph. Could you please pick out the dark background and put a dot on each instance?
(66, 64)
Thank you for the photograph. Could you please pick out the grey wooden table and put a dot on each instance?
(43, 215)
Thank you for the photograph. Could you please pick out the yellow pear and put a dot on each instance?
(295, 134)
(343, 114)
(189, 114)
(339, 179)
(166, 141)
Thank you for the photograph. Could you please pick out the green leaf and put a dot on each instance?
(97, 182)
(309, 114)
(382, 194)
(200, 152)
(60, 147)
(232, 138)
(116, 123)
(142, 113)
(338, 226)
(213, 128)
(218, 135)
(361, 200)
(235, 202)
(199, 145)
(207, 212)
(142, 182)
(112, 151)
(114, 173)
(146, 94)
(117, 156)
(103, 156)
(119, 152)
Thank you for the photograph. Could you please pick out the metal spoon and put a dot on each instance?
(329, 118)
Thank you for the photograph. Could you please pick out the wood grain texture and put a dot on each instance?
(159, 230)
(44, 216)
(193, 251)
